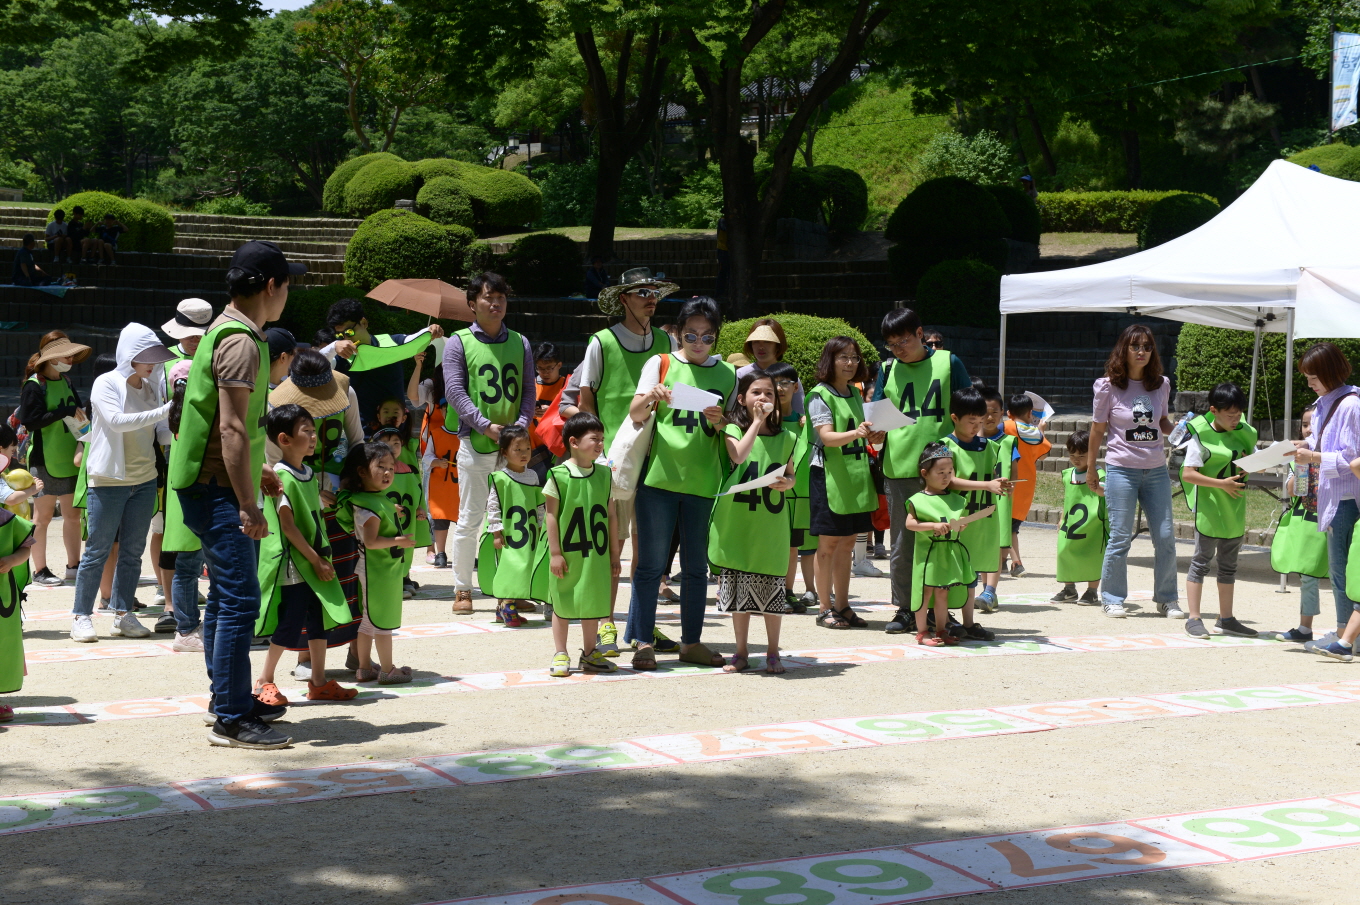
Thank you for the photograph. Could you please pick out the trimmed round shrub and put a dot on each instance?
(333, 195)
(1347, 166)
(1175, 216)
(395, 245)
(1021, 213)
(544, 264)
(150, 227)
(1325, 156)
(443, 200)
(502, 200)
(941, 220)
(807, 334)
(379, 185)
(831, 195)
(479, 257)
(962, 293)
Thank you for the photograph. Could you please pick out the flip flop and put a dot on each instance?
(269, 693)
(644, 660)
(700, 655)
(773, 666)
(738, 664)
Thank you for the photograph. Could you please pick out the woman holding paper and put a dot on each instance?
(46, 401)
(683, 473)
(1131, 415)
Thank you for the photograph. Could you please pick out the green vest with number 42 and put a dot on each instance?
(494, 382)
(1084, 531)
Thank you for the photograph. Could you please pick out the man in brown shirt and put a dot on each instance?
(235, 363)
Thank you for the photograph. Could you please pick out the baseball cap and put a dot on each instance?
(264, 259)
(280, 342)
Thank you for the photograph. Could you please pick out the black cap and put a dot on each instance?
(260, 258)
(280, 342)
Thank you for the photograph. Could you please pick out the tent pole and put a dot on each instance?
(1288, 410)
(1001, 361)
(1255, 359)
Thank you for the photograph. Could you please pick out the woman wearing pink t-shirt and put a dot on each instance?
(1131, 415)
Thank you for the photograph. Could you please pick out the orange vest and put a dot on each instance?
(1027, 468)
(438, 441)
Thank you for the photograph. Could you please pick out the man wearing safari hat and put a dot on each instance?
(217, 466)
(609, 378)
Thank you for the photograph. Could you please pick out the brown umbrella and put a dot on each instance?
(432, 297)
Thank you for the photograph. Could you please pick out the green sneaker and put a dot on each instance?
(661, 644)
(593, 662)
(607, 640)
(561, 666)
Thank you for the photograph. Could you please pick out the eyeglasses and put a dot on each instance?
(785, 384)
(899, 346)
(695, 339)
(847, 360)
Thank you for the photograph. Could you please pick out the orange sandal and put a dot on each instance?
(947, 639)
(269, 693)
(331, 691)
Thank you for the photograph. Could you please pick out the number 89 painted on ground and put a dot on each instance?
(787, 884)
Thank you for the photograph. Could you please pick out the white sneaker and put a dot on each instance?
(187, 644)
(1171, 610)
(302, 672)
(127, 626)
(866, 569)
(82, 630)
(71, 573)
(160, 597)
(1115, 611)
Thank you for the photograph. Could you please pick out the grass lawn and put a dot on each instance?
(621, 233)
(1084, 243)
(1261, 508)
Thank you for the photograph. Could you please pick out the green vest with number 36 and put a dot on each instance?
(749, 531)
(494, 380)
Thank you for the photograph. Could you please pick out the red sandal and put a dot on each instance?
(269, 693)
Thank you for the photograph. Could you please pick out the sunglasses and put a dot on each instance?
(935, 344)
(646, 293)
(345, 334)
(695, 339)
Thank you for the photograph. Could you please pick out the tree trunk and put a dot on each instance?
(1019, 145)
(1261, 96)
(604, 215)
(1038, 130)
(1133, 158)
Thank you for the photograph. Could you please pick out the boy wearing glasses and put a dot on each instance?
(919, 380)
(609, 376)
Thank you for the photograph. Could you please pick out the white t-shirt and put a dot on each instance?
(576, 471)
(56, 229)
(527, 477)
(291, 574)
(592, 366)
(139, 446)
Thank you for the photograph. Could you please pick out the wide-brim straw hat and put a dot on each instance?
(320, 401)
(737, 360)
(60, 348)
(192, 317)
(637, 278)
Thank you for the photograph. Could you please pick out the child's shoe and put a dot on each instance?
(607, 639)
(976, 632)
(925, 639)
(947, 639)
(661, 644)
(331, 691)
(561, 666)
(794, 603)
(986, 601)
(595, 662)
(1089, 597)
(399, 675)
(1297, 635)
(1230, 626)
(1068, 594)
(506, 613)
(1018, 570)
(269, 693)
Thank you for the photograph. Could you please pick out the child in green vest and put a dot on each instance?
(16, 542)
(1298, 545)
(408, 494)
(298, 587)
(512, 556)
(940, 561)
(364, 508)
(977, 474)
(577, 494)
(995, 433)
(1085, 529)
(1214, 490)
(802, 542)
(748, 536)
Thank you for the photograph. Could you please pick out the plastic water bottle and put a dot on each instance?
(1179, 432)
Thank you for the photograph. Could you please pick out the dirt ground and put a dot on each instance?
(505, 838)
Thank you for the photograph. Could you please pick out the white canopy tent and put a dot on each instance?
(1283, 258)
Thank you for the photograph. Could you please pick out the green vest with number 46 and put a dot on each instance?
(583, 521)
(849, 484)
(494, 382)
(749, 531)
(921, 390)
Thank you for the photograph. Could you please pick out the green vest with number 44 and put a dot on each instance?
(749, 531)
(849, 484)
(921, 390)
(494, 382)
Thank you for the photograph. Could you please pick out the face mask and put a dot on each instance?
(61, 367)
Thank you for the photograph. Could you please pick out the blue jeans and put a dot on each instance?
(123, 514)
(212, 513)
(1125, 488)
(1338, 549)
(657, 514)
(188, 566)
(1308, 596)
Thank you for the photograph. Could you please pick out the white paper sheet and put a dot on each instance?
(884, 416)
(1041, 406)
(764, 480)
(1272, 455)
(686, 398)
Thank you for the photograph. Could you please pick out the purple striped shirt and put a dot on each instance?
(1339, 443)
(470, 418)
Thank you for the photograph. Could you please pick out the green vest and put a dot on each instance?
(494, 382)
(13, 532)
(200, 411)
(519, 570)
(687, 454)
(1216, 513)
(749, 531)
(1298, 545)
(408, 491)
(1005, 457)
(939, 561)
(178, 538)
(387, 351)
(384, 568)
(1084, 530)
(304, 498)
(583, 520)
(330, 440)
(849, 485)
(983, 537)
(620, 371)
(58, 443)
(921, 391)
(796, 500)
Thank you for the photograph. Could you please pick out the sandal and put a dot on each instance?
(738, 664)
(644, 660)
(700, 655)
(854, 619)
(773, 666)
(331, 691)
(947, 639)
(269, 694)
(6, 713)
(925, 639)
(366, 675)
(831, 619)
(399, 675)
